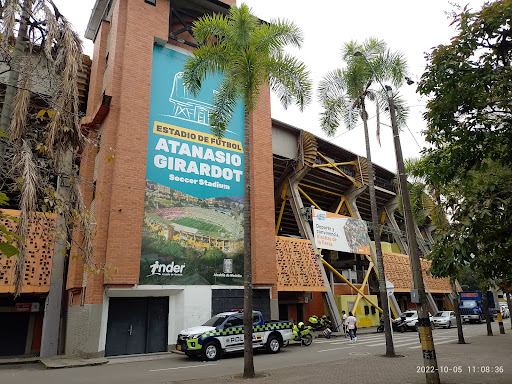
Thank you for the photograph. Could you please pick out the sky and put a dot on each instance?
(411, 27)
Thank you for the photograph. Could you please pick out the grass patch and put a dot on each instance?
(198, 224)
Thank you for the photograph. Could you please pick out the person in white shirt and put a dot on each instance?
(351, 325)
(344, 323)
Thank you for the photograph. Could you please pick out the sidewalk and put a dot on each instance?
(472, 363)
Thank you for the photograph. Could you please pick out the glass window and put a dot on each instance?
(215, 321)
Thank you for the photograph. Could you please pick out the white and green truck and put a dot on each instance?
(225, 333)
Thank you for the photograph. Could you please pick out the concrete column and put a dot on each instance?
(53, 305)
(390, 209)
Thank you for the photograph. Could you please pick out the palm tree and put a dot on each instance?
(343, 94)
(249, 54)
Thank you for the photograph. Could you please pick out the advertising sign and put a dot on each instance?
(340, 233)
(193, 207)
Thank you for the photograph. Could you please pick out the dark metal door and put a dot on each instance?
(158, 314)
(137, 325)
(229, 299)
(127, 326)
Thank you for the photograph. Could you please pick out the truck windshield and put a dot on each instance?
(469, 303)
(215, 321)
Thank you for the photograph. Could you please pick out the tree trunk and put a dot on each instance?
(456, 309)
(248, 351)
(485, 303)
(509, 303)
(390, 349)
(13, 76)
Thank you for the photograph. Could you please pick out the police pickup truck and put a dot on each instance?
(225, 333)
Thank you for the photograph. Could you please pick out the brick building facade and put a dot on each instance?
(114, 313)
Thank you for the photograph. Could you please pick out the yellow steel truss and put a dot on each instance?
(330, 164)
(351, 285)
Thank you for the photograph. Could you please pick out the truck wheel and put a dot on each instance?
(273, 344)
(210, 351)
(307, 340)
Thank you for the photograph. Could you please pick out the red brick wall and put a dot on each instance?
(345, 289)
(315, 307)
(119, 197)
(262, 191)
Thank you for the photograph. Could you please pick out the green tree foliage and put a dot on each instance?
(469, 113)
(469, 116)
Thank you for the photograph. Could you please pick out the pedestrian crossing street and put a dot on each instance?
(400, 340)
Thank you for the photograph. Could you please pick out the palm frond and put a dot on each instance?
(9, 21)
(207, 59)
(210, 28)
(331, 86)
(289, 78)
(20, 110)
(331, 115)
(29, 180)
(241, 27)
(276, 35)
(224, 103)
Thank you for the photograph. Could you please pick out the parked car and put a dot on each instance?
(505, 312)
(444, 319)
(411, 319)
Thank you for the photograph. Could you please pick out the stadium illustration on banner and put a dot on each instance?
(340, 233)
(193, 208)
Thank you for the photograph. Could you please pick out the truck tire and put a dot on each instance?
(211, 351)
(307, 340)
(273, 344)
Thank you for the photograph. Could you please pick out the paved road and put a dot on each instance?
(326, 354)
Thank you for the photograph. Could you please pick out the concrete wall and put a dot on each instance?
(362, 320)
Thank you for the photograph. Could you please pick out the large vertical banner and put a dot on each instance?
(193, 207)
(340, 233)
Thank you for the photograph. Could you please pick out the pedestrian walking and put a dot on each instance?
(351, 325)
(344, 323)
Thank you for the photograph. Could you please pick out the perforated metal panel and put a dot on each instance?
(398, 271)
(297, 267)
(38, 263)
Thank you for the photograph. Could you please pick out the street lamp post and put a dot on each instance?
(427, 342)
(426, 339)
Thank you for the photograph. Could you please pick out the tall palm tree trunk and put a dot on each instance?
(390, 349)
(248, 351)
(456, 309)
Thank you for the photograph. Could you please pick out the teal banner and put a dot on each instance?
(193, 212)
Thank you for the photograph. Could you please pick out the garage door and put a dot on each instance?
(228, 299)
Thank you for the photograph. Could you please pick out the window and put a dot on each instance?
(255, 319)
(366, 310)
(373, 310)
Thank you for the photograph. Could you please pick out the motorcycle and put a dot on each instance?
(380, 328)
(302, 333)
(319, 324)
(399, 325)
